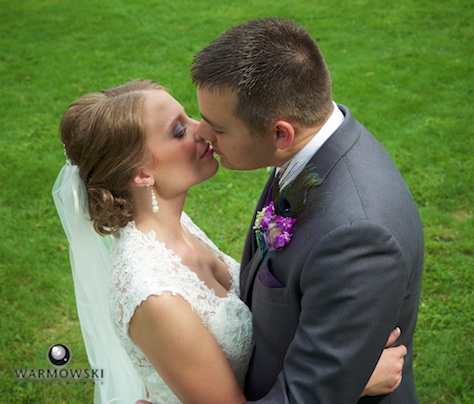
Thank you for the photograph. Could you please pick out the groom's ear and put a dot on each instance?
(283, 135)
(142, 179)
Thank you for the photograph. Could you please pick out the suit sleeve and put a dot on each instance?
(352, 285)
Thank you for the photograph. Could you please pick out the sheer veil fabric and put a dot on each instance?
(90, 263)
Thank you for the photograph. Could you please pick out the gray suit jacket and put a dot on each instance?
(349, 276)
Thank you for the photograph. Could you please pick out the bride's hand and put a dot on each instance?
(387, 375)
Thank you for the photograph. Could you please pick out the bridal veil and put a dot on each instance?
(90, 264)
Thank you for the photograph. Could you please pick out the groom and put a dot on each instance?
(329, 289)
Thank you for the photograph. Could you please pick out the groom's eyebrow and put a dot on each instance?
(213, 124)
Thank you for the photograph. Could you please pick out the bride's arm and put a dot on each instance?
(387, 374)
(183, 351)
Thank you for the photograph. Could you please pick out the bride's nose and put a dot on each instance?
(205, 131)
(197, 133)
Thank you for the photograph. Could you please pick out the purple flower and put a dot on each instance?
(275, 229)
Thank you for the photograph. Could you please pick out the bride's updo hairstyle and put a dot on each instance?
(103, 133)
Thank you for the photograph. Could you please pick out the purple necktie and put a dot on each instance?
(270, 189)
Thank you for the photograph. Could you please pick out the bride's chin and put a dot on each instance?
(214, 171)
(208, 173)
(214, 165)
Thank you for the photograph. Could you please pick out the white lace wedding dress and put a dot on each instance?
(141, 267)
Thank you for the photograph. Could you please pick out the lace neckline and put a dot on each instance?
(151, 239)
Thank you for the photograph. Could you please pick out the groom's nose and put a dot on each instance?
(205, 131)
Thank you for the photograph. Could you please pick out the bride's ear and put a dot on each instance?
(143, 179)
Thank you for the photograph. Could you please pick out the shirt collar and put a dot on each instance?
(296, 164)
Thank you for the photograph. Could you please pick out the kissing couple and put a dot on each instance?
(323, 305)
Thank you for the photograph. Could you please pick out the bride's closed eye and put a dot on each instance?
(179, 131)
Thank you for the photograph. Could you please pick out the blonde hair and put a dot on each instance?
(103, 133)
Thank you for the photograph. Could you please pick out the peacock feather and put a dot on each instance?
(291, 200)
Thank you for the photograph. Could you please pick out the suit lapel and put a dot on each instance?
(337, 145)
(251, 259)
(323, 161)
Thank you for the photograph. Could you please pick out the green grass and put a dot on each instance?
(404, 68)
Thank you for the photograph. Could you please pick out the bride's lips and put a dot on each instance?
(208, 152)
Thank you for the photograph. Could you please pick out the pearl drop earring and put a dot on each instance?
(154, 202)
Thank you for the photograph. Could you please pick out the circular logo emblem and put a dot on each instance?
(59, 354)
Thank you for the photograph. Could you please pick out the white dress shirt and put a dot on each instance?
(296, 164)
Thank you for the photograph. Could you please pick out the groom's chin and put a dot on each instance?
(240, 166)
(227, 164)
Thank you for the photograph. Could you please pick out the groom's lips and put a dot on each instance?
(216, 150)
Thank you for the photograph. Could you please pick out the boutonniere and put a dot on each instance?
(273, 231)
(274, 223)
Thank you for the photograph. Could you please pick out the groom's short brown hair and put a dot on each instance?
(274, 67)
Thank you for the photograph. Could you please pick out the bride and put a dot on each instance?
(176, 326)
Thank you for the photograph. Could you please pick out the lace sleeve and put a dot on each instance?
(142, 267)
(137, 276)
